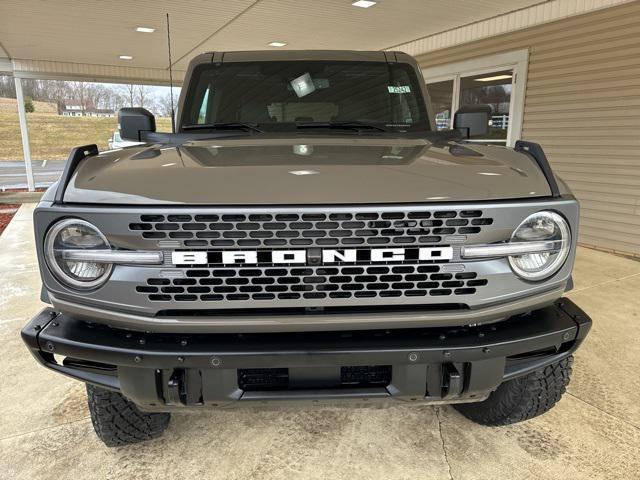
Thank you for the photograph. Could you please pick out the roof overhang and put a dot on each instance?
(84, 40)
(44, 69)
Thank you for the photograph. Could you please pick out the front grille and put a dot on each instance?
(248, 283)
(373, 376)
(324, 280)
(274, 379)
(313, 229)
(263, 379)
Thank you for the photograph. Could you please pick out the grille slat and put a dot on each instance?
(309, 282)
(220, 286)
(314, 229)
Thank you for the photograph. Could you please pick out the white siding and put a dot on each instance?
(582, 104)
(520, 18)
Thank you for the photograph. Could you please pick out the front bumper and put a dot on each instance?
(160, 371)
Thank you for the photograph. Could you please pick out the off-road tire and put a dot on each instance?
(521, 398)
(117, 421)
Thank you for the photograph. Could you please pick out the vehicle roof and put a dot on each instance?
(275, 55)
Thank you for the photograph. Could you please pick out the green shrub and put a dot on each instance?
(28, 105)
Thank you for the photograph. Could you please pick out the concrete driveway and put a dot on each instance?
(594, 432)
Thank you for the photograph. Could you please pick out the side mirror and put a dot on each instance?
(472, 120)
(135, 124)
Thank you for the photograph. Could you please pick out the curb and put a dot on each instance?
(20, 197)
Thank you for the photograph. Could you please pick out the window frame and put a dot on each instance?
(517, 60)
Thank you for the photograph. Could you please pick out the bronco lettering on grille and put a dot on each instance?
(327, 256)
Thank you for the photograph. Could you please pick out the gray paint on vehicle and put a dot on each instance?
(341, 170)
(119, 297)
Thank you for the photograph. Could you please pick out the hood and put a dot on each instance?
(263, 171)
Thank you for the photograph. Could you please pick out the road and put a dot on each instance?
(13, 175)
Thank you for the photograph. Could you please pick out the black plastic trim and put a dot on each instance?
(570, 285)
(75, 157)
(535, 151)
(44, 295)
(495, 353)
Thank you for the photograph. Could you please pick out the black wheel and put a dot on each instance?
(521, 398)
(117, 421)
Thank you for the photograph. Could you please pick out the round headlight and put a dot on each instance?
(541, 226)
(75, 234)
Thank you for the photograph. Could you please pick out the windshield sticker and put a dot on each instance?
(399, 88)
(303, 85)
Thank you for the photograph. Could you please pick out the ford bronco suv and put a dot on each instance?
(307, 234)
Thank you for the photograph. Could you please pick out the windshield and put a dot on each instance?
(286, 94)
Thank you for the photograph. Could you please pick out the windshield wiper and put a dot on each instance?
(224, 126)
(347, 125)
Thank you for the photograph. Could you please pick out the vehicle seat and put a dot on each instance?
(350, 112)
(255, 113)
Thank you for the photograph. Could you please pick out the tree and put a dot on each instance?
(79, 91)
(497, 96)
(99, 96)
(130, 91)
(164, 105)
(7, 87)
(120, 101)
(28, 105)
(142, 92)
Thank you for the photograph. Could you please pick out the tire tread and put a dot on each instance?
(117, 421)
(522, 398)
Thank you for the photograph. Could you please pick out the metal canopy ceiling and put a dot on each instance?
(84, 39)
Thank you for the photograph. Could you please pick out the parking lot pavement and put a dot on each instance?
(45, 172)
(594, 432)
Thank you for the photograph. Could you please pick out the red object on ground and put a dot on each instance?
(7, 212)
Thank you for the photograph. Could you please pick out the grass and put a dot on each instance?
(9, 105)
(52, 136)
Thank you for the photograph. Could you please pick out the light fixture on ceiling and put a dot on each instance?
(304, 150)
(126, 57)
(491, 79)
(145, 29)
(364, 3)
(278, 44)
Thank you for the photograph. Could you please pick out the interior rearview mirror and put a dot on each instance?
(136, 123)
(472, 120)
